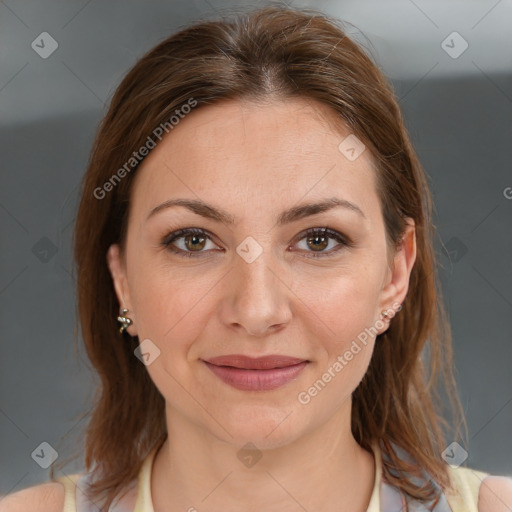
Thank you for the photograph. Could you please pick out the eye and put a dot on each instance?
(318, 240)
(194, 240)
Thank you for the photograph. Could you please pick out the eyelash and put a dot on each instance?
(183, 233)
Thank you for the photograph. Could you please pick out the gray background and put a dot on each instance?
(458, 111)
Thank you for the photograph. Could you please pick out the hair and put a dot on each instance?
(276, 53)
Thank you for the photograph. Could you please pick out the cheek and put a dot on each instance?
(344, 312)
(340, 304)
(169, 306)
(171, 313)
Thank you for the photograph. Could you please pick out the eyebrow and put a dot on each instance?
(288, 216)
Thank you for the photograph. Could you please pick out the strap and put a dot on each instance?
(76, 500)
(466, 482)
(462, 498)
(69, 483)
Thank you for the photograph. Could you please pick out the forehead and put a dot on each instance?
(251, 154)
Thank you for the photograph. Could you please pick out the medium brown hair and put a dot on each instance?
(279, 53)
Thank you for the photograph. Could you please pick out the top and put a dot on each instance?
(384, 497)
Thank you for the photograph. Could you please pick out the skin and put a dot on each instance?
(254, 161)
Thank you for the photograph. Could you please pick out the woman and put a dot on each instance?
(257, 284)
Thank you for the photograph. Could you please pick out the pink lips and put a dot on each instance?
(256, 374)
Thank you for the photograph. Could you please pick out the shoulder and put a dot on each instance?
(479, 490)
(47, 497)
(495, 494)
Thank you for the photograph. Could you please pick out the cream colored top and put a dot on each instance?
(138, 499)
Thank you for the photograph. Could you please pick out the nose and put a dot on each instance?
(256, 298)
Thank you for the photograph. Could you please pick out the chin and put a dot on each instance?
(261, 439)
(265, 426)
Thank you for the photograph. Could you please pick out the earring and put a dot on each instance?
(124, 320)
(386, 316)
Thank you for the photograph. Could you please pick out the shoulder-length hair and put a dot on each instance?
(278, 53)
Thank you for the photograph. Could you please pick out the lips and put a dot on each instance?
(255, 363)
(256, 374)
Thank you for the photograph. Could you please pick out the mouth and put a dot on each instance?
(256, 374)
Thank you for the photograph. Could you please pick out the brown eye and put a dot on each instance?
(318, 242)
(191, 240)
(195, 242)
(318, 239)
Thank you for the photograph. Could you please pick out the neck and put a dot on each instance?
(325, 469)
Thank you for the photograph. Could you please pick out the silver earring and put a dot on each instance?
(125, 321)
(386, 316)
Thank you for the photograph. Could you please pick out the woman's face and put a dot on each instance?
(255, 283)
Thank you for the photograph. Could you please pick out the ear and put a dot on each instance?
(397, 279)
(117, 269)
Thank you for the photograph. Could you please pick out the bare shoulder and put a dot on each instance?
(495, 494)
(47, 497)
